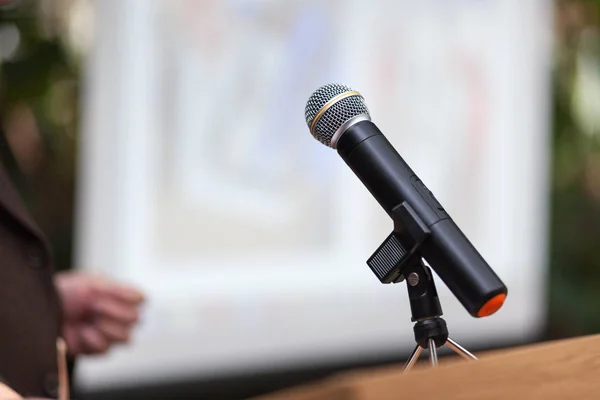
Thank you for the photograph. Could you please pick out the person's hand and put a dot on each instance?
(7, 393)
(97, 312)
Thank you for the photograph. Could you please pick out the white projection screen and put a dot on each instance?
(200, 182)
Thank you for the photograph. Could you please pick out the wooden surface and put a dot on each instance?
(568, 369)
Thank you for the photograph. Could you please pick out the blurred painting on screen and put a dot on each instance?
(238, 223)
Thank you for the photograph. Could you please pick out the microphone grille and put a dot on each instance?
(330, 107)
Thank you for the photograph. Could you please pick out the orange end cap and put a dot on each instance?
(492, 305)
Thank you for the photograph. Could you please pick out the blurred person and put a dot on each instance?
(47, 317)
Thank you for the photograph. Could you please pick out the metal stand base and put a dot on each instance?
(433, 359)
(430, 329)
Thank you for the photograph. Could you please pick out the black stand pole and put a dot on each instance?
(430, 329)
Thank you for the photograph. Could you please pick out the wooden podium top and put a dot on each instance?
(566, 369)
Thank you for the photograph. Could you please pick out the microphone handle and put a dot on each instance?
(391, 181)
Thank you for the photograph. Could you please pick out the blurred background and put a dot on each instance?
(162, 142)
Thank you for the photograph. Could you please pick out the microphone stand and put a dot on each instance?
(430, 329)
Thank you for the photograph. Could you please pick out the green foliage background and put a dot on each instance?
(574, 290)
(43, 76)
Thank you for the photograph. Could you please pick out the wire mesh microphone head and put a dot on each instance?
(330, 109)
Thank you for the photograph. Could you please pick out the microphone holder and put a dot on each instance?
(398, 259)
(430, 328)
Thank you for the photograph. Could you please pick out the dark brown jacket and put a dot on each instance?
(29, 306)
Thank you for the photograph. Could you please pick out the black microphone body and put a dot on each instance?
(447, 250)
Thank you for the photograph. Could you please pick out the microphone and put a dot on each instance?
(338, 117)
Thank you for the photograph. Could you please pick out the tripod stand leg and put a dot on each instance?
(433, 353)
(461, 351)
(413, 358)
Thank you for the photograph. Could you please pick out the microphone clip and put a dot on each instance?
(391, 257)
